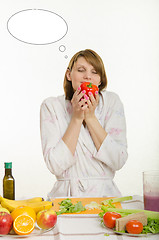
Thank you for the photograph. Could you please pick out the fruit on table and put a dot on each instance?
(12, 204)
(109, 219)
(23, 225)
(4, 210)
(89, 87)
(6, 222)
(37, 204)
(34, 199)
(46, 219)
(23, 211)
(134, 227)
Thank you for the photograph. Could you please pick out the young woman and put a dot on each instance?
(84, 137)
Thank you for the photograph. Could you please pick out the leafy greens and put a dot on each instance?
(152, 226)
(66, 206)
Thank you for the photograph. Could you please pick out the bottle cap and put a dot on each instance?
(8, 165)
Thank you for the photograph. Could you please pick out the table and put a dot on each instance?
(87, 227)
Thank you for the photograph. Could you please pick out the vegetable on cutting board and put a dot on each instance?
(114, 200)
(66, 206)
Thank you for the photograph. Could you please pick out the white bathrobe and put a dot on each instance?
(87, 173)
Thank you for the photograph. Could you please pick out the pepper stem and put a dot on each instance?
(89, 85)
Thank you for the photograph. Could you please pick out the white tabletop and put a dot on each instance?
(86, 227)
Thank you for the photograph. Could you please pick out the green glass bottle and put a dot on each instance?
(8, 182)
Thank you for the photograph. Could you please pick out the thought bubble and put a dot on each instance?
(37, 26)
(62, 48)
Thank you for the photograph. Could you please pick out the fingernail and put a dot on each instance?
(89, 93)
(83, 91)
(96, 92)
(86, 97)
(79, 88)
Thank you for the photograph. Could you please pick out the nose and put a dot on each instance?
(87, 75)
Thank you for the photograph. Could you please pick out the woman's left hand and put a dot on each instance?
(92, 103)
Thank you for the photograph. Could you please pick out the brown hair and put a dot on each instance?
(95, 60)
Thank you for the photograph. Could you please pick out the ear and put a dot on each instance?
(68, 74)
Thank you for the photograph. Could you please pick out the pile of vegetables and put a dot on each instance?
(110, 215)
(66, 206)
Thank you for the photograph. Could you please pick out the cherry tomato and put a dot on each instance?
(109, 219)
(89, 87)
(134, 227)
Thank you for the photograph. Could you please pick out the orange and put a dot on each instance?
(23, 210)
(23, 225)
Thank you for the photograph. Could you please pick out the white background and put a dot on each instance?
(125, 33)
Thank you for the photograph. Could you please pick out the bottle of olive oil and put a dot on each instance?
(8, 182)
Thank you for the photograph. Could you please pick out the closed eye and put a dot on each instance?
(81, 70)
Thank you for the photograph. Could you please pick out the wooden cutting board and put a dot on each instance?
(84, 201)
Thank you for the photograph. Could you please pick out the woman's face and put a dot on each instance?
(83, 71)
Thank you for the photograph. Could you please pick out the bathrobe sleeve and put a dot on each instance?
(113, 151)
(57, 155)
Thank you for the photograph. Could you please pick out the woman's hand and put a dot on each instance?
(96, 131)
(92, 103)
(79, 104)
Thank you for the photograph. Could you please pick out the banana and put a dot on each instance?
(12, 204)
(37, 206)
(9, 206)
(35, 199)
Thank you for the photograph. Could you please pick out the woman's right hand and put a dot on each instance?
(79, 104)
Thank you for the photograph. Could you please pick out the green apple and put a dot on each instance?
(46, 218)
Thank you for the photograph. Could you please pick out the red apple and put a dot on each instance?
(6, 222)
(46, 218)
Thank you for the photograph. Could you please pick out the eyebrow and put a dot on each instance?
(80, 65)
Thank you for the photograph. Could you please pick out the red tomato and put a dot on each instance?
(109, 219)
(134, 227)
(89, 87)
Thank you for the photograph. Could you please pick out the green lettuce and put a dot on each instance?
(66, 206)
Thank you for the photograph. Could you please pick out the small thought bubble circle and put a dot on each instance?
(37, 26)
(62, 48)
